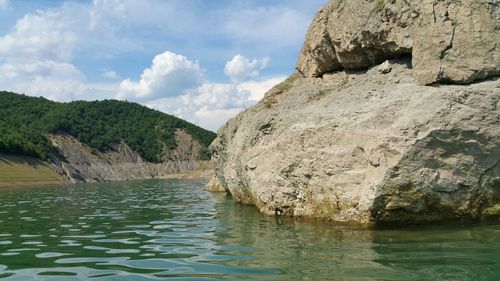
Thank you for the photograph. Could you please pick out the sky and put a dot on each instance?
(201, 60)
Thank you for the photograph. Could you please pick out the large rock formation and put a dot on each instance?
(449, 40)
(374, 145)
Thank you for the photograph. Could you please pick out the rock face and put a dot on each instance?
(80, 163)
(214, 185)
(351, 140)
(448, 40)
(368, 147)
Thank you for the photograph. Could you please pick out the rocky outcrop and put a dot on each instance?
(80, 163)
(214, 185)
(369, 147)
(449, 40)
(374, 146)
(356, 137)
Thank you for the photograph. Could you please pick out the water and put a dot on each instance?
(156, 230)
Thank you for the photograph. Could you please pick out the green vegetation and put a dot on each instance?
(270, 98)
(269, 102)
(26, 121)
(284, 86)
(317, 95)
(380, 5)
(344, 81)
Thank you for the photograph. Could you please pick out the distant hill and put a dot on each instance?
(26, 123)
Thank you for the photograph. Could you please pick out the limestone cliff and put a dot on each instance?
(351, 141)
(80, 163)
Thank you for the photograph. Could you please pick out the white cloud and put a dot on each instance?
(240, 67)
(257, 89)
(35, 57)
(169, 75)
(218, 95)
(47, 68)
(110, 74)
(104, 12)
(54, 89)
(57, 81)
(216, 103)
(212, 104)
(44, 35)
(47, 52)
(174, 84)
(214, 119)
(36, 54)
(4, 4)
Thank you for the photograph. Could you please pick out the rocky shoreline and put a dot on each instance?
(77, 163)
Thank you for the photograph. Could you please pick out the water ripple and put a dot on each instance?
(155, 230)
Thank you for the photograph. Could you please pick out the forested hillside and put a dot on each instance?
(26, 121)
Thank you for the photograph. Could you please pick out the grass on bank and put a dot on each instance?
(25, 169)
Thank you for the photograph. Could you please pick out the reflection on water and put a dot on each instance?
(154, 230)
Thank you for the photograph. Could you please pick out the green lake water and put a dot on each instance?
(172, 229)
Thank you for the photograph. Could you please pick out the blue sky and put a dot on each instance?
(201, 60)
